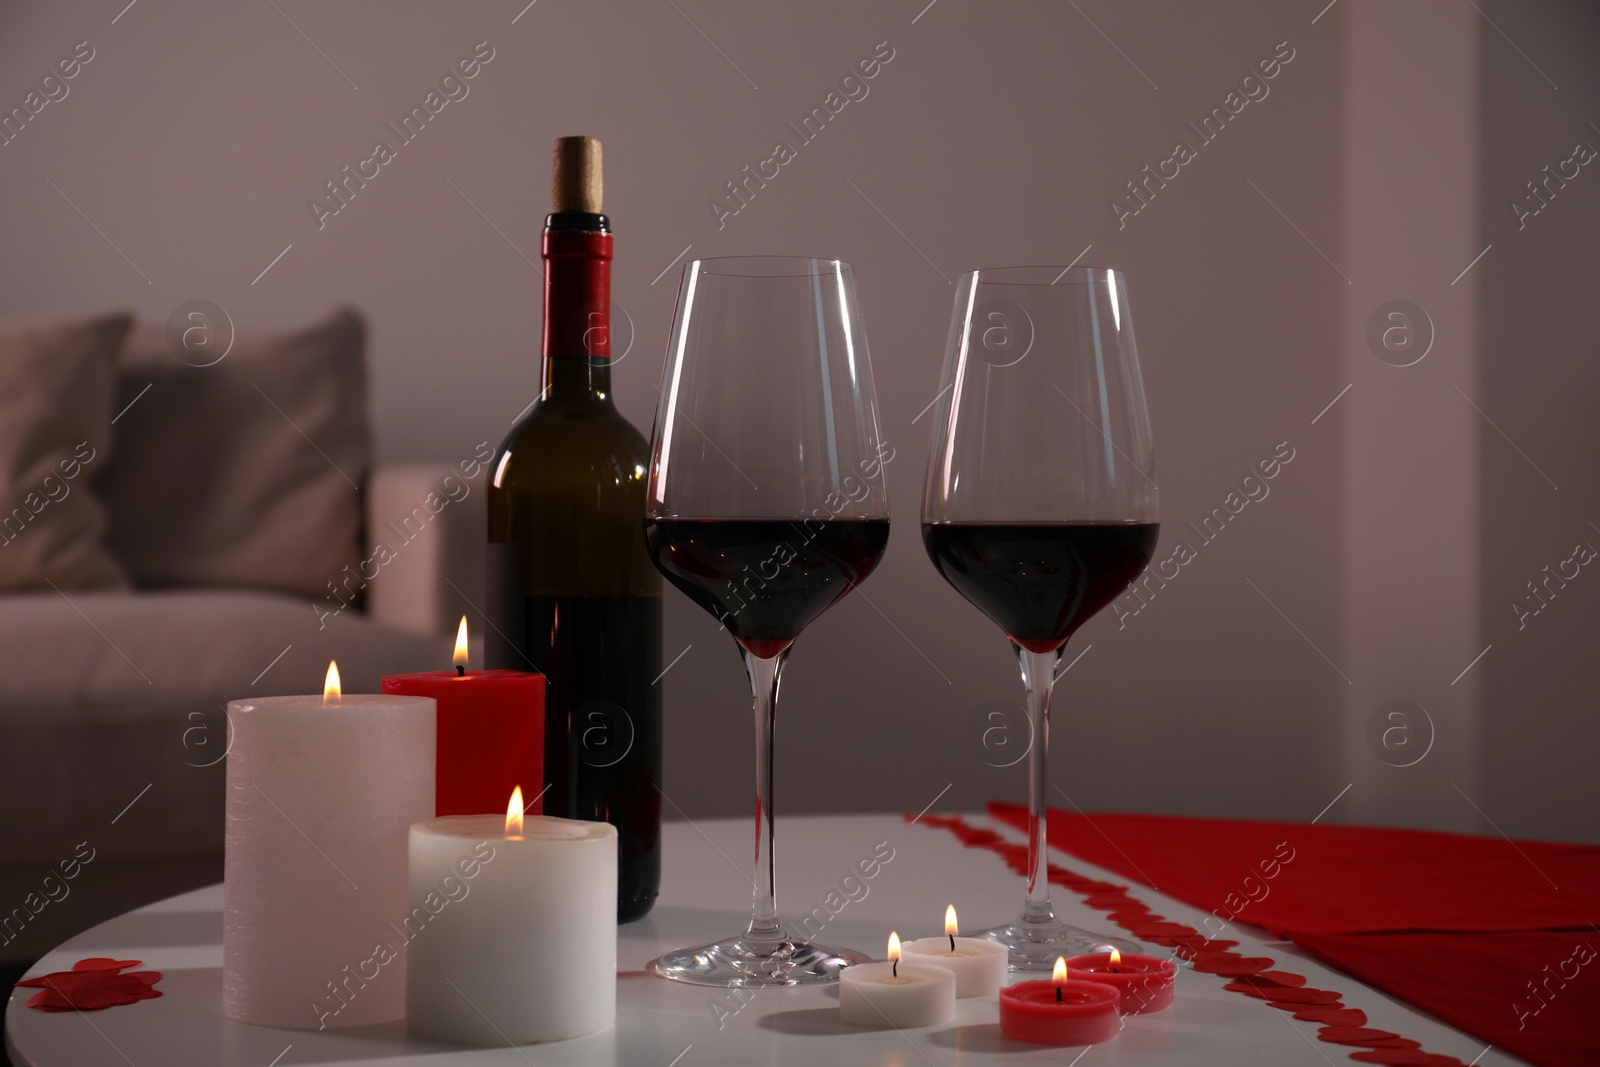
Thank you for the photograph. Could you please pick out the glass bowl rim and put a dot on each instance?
(774, 266)
(1035, 274)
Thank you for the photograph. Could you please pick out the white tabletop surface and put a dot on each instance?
(705, 889)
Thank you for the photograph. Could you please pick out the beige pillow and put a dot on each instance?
(55, 436)
(243, 472)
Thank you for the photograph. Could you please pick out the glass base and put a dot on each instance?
(742, 963)
(1034, 946)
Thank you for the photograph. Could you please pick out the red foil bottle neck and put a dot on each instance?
(577, 294)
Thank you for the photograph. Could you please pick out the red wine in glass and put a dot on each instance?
(1040, 581)
(766, 579)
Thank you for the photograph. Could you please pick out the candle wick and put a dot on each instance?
(461, 670)
(894, 969)
(952, 944)
(1058, 994)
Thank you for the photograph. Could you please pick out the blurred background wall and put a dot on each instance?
(1379, 161)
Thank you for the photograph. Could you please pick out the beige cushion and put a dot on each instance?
(243, 472)
(55, 435)
(132, 691)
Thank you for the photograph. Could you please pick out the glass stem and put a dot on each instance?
(764, 674)
(1038, 679)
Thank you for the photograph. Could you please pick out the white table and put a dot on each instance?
(705, 888)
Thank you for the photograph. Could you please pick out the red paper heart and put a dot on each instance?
(114, 989)
(91, 1000)
(1355, 1035)
(1334, 1015)
(1240, 985)
(1192, 942)
(1279, 978)
(1322, 996)
(1128, 918)
(91, 985)
(67, 980)
(1282, 996)
(1189, 948)
(1229, 963)
(104, 963)
(1089, 885)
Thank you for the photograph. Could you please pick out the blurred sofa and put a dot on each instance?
(113, 729)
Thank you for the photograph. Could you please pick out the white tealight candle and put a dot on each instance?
(901, 995)
(321, 794)
(979, 965)
(519, 937)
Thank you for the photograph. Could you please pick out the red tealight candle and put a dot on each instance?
(1145, 982)
(490, 733)
(1059, 1012)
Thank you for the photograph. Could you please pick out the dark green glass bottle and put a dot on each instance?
(571, 589)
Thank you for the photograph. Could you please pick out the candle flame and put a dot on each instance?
(950, 928)
(1116, 958)
(1059, 974)
(460, 657)
(331, 690)
(514, 812)
(894, 946)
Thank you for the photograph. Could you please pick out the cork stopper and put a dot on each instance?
(576, 183)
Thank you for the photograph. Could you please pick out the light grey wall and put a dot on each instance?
(1540, 383)
(1410, 546)
(997, 134)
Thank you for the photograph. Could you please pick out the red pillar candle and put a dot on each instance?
(1144, 982)
(1059, 1012)
(490, 733)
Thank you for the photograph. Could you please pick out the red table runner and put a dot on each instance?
(1495, 937)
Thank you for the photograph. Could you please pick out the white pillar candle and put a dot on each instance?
(321, 794)
(979, 965)
(523, 946)
(897, 994)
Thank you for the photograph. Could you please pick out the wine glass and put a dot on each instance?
(1041, 505)
(766, 505)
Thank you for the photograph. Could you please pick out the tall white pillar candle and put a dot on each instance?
(520, 939)
(321, 794)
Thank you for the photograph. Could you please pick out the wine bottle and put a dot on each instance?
(571, 590)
